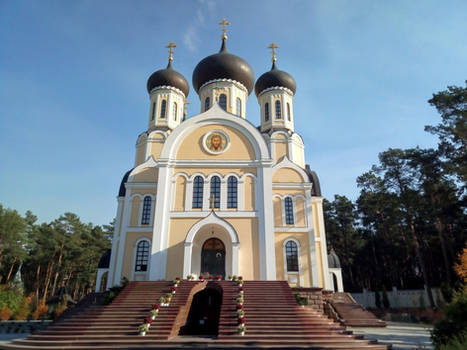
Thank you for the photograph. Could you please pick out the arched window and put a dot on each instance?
(153, 110)
(278, 109)
(198, 185)
(288, 211)
(239, 107)
(232, 190)
(163, 108)
(142, 256)
(291, 255)
(288, 111)
(223, 101)
(175, 111)
(207, 103)
(215, 192)
(266, 112)
(146, 213)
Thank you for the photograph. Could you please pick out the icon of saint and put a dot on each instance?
(216, 143)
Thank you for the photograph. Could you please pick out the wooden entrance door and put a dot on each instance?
(213, 257)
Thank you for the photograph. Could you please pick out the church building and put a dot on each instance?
(214, 194)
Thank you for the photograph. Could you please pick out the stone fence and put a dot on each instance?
(314, 296)
(407, 298)
(22, 327)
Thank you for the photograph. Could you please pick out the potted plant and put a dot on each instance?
(148, 321)
(190, 277)
(229, 277)
(142, 329)
(177, 281)
(242, 320)
(240, 290)
(240, 313)
(218, 277)
(211, 277)
(239, 306)
(241, 329)
(173, 289)
(234, 278)
(153, 313)
(155, 306)
(201, 278)
(240, 299)
(240, 281)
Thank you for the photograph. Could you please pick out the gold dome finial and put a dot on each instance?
(224, 23)
(273, 48)
(171, 46)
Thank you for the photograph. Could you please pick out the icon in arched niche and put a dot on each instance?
(215, 142)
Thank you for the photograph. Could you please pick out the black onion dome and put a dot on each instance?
(223, 65)
(122, 189)
(104, 261)
(168, 77)
(273, 78)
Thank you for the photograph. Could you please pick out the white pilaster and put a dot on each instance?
(223, 203)
(265, 223)
(187, 259)
(235, 258)
(241, 194)
(311, 239)
(115, 240)
(128, 206)
(322, 234)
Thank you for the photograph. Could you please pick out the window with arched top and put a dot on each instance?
(174, 111)
(266, 112)
(278, 110)
(223, 101)
(239, 107)
(142, 256)
(232, 192)
(207, 103)
(198, 185)
(215, 192)
(163, 108)
(291, 256)
(288, 111)
(146, 212)
(288, 211)
(153, 110)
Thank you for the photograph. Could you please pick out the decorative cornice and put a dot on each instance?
(235, 82)
(276, 88)
(167, 87)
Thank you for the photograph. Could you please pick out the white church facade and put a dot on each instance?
(214, 194)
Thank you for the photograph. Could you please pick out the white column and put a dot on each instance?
(206, 194)
(188, 195)
(265, 210)
(113, 254)
(322, 235)
(311, 239)
(128, 207)
(235, 258)
(241, 195)
(164, 198)
(223, 204)
(187, 259)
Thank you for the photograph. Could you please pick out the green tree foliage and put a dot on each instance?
(56, 257)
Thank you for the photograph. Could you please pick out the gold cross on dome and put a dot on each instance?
(212, 201)
(171, 47)
(224, 23)
(273, 48)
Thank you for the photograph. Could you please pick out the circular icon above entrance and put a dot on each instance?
(216, 142)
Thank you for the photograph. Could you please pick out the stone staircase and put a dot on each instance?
(351, 313)
(273, 321)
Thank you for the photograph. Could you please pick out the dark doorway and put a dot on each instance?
(213, 258)
(205, 310)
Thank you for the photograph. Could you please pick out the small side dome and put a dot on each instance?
(223, 65)
(168, 77)
(122, 189)
(333, 260)
(104, 262)
(275, 78)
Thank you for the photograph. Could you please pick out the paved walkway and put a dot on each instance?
(401, 336)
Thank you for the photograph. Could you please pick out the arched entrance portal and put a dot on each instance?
(213, 257)
(205, 310)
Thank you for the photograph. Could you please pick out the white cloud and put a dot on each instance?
(191, 36)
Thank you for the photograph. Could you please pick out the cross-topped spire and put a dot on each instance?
(171, 45)
(224, 23)
(273, 48)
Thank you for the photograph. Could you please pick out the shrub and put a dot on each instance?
(5, 313)
(40, 312)
(112, 293)
(457, 343)
(454, 325)
(446, 291)
(60, 308)
(23, 310)
(10, 297)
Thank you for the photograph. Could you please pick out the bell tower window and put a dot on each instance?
(278, 110)
(146, 213)
(288, 111)
(266, 112)
(163, 108)
(289, 220)
(239, 107)
(207, 103)
(223, 101)
(153, 110)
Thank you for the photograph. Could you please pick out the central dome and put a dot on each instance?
(223, 65)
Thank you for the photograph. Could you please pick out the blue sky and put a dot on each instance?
(73, 84)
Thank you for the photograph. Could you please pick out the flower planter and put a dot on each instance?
(242, 334)
(165, 304)
(153, 317)
(143, 334)
(174, 291)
